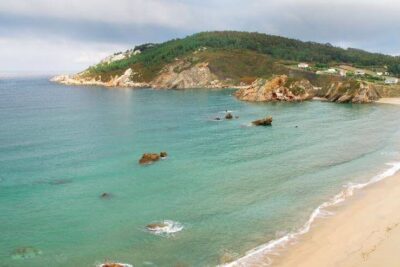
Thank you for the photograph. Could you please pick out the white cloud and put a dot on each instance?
(71, 34)
(55, 56)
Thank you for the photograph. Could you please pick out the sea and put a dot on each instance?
(227, 192)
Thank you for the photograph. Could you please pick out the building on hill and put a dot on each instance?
(359, 72)
(303, 65)
(391, 80)
(332, 70)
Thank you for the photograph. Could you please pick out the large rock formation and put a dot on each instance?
(182, 74)
(352, 92)
(278, 88)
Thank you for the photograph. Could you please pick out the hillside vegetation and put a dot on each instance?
(240, 55)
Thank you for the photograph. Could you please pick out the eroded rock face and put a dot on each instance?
(182, 75)
(267, 121)
(352, 92)
(276, 89)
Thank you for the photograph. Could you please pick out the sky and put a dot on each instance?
(69, 35)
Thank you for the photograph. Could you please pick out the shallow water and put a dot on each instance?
(232, 186)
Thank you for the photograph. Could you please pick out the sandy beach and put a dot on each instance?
(365, 231)
(391, 100)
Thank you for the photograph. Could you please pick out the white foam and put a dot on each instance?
(169, 227)
(270, 248)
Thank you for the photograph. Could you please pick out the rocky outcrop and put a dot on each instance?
(352, 92)
(277, 89)
(267, 121)
(183, 75)
(148, 158)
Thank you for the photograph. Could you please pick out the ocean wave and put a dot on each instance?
(115, 264)
(164, 228)
(269, 249)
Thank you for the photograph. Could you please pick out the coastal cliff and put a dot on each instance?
(249, 61)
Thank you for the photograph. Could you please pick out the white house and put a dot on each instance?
(359, 72)
(331, 70)
(379, 73)
(391, 80)
(303, 65)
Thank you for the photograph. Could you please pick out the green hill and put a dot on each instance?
(239, 56)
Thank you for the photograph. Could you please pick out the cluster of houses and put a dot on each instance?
(357, 72)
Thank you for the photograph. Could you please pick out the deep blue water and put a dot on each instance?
(232, 186)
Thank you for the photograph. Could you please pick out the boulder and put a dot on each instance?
(263, 122)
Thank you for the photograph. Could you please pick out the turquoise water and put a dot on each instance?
(232, 186)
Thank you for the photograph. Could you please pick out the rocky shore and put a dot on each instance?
(183, 74)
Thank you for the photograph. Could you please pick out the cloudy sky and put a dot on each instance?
(69, 35)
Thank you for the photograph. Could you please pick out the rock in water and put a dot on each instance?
(148, 158)
(263, 122)
(228, 116)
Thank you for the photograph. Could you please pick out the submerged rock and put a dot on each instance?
(156, 226)
(60, 181)
(263, 122)
(25, 253)
(114, 264)
(149, 158)
(105, 195)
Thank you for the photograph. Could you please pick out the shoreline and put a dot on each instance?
(363, 230)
